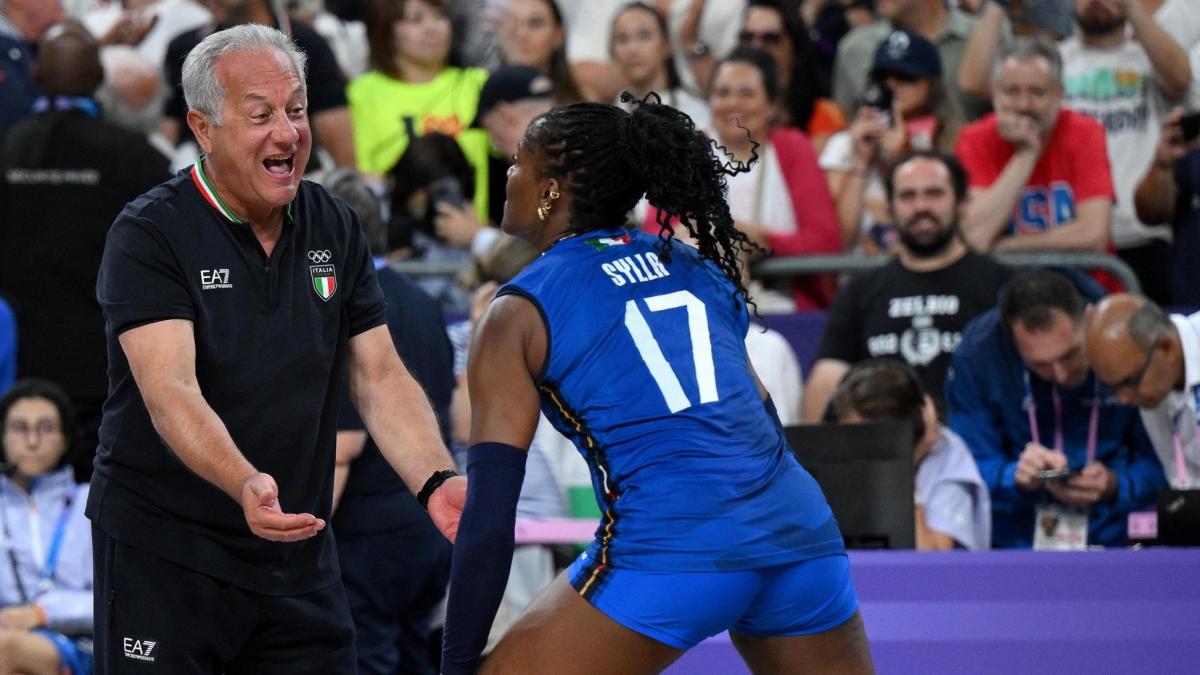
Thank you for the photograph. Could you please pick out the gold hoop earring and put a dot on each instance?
(544, 210)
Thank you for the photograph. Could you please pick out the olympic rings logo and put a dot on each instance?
(320, 256)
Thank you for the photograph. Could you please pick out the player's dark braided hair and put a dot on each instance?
(610, 158)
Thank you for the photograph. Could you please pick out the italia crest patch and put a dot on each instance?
(324, 275)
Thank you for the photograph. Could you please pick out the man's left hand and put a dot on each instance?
(20, 617)
(1092, 484)
(446, 506)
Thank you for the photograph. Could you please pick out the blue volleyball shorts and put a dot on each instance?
(681, 609)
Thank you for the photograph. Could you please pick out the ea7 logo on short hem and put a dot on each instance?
(214, 279)
(139, 650)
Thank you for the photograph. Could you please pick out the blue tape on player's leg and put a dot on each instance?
(483, 551)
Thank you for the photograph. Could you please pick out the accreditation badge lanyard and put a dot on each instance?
(1058, 527)
(45, 580)
(1181, 472)
(46, 576)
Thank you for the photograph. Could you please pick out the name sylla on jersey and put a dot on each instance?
(635, 268)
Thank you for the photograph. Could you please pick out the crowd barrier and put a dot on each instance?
(801, 265)
(803, 329)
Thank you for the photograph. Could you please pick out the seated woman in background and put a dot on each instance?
(904, 109)
(782, 202)
(640, 47)
(953, 509)
(46, 592)
(776, 27)
(532, 34)
(414, 87)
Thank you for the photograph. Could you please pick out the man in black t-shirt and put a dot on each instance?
(327, 106)
(914, 307)
(240, 301)
(65, 174)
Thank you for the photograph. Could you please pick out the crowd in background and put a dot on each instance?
(933, 132)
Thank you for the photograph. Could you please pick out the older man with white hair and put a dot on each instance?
(239, 302)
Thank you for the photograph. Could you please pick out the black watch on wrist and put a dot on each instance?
(699, 51)
(433, 483)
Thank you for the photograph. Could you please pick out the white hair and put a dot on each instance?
(202, 88)
(125, 70)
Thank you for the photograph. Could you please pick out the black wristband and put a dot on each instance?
(435, 481)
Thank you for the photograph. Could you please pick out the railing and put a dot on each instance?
(801, 265)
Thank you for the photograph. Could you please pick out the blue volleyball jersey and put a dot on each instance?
(647, 373)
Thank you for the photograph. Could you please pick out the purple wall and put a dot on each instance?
(1115, 611)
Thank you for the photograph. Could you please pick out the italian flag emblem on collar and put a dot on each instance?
(205, 185)
(601, 243)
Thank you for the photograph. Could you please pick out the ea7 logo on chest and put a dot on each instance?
(324, 276)
(213, 279)
(139, 650)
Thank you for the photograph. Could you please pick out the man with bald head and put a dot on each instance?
(65, 174)
(1152, 360)
(1051, 441)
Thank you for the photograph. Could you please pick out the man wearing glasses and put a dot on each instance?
(1064, 460)
(1152, 360)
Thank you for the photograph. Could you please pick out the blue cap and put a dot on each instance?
(907, 53)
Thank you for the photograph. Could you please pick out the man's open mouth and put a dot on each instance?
(279, 165)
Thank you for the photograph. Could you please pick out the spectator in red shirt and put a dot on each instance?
(1039, 173)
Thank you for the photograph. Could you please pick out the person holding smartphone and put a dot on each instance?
(904, 108)
(1022, 394)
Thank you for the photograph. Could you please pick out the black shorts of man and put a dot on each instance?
(239, 300)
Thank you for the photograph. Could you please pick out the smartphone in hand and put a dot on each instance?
(1190, 125)
(1058, 475)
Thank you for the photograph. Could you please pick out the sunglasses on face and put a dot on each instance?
(769, 37)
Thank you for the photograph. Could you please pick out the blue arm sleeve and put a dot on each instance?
(483, 551)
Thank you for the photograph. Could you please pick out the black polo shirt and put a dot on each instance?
(271, 349)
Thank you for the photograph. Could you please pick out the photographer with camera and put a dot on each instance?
(904, 108)
(1168, 192)
(433, 216)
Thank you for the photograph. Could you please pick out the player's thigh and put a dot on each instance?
(562, 633)
(28, 652)
(840, 650)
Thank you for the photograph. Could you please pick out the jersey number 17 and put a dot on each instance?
(652, 354)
